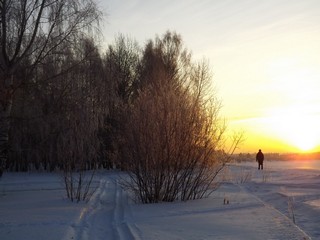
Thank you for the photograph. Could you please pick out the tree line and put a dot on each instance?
(67, 105)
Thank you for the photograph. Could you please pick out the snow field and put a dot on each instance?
(33, 206)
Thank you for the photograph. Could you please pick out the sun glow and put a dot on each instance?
(282, 132)
(297, 130)
(295, 119)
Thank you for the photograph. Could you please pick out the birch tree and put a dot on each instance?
(30, 31)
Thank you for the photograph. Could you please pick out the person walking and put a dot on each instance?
(259, 159)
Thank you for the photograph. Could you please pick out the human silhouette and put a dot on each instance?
(259, 159)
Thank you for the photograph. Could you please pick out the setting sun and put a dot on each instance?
(290, 114)
(283, 130)
(299, 131)
(295, 118)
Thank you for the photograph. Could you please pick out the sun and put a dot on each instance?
(305, 142)
(294, 118)
(298, 130)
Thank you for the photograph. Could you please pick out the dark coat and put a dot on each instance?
(260, 156)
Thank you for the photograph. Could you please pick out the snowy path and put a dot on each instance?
(107, 215)
(300, 188)
(282, 225)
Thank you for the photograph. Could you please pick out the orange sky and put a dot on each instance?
(265, 58)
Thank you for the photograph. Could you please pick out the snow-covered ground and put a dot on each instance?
(262, 205)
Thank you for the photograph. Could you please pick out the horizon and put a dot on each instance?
(281, 153)
(263, 57)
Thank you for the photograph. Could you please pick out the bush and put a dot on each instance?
(174, 138)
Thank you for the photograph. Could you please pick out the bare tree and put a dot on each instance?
(121, 64)
(77, 150)
(31, 31)
(175, 144)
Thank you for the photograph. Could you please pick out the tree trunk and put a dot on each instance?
(5, 111)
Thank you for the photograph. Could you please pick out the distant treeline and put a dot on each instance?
(278, 156)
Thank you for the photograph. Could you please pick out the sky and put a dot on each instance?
(264, 57)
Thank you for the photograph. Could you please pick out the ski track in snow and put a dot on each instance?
(282, 223)
(122, 226)
(107, 216)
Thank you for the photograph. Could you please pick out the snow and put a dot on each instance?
(262, 205)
